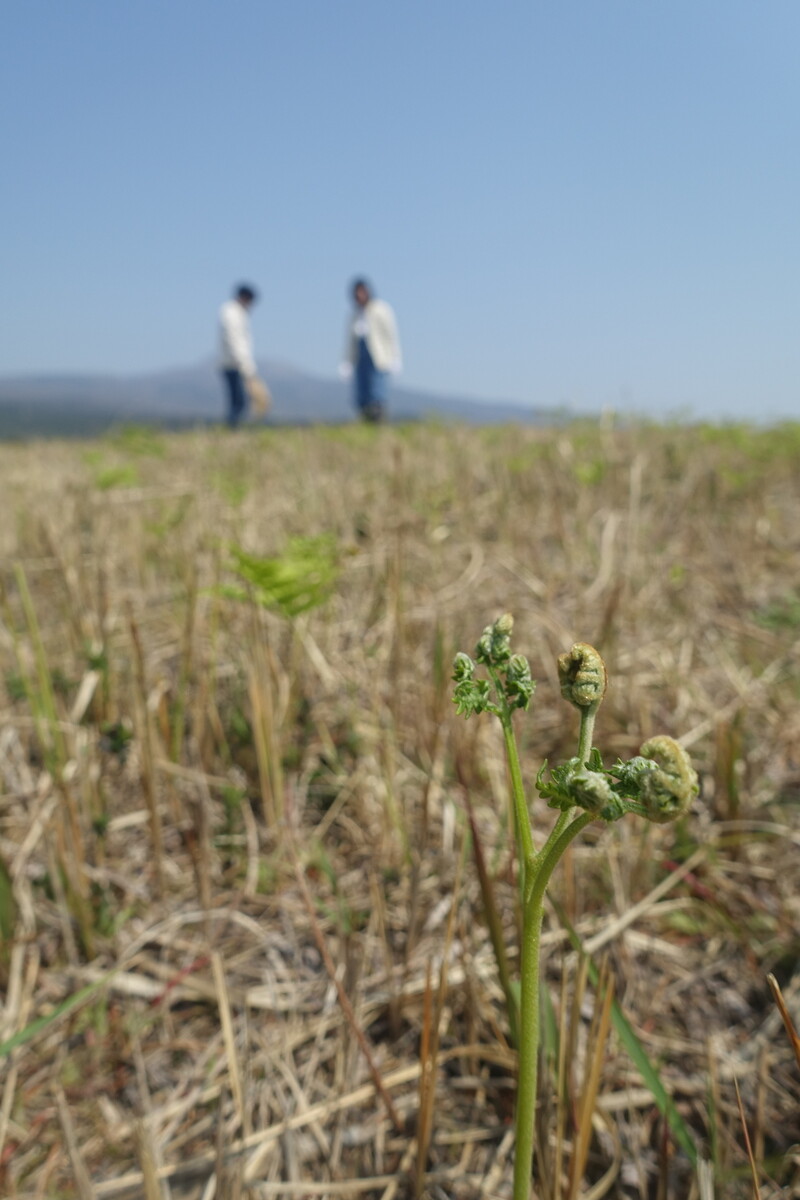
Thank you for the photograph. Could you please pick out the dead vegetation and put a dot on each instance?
(244, 951)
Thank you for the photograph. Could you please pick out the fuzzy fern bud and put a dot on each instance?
(470, 695)
(582, 675)
(510, 685)
(668, 789)
(463, 667)
(494, 644)
(519, 685)
(591, 790)
(576, 784)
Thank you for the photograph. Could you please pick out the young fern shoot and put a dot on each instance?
(658, 784)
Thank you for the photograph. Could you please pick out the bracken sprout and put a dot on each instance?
(659, 784)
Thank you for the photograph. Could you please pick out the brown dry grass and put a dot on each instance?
(291, 804)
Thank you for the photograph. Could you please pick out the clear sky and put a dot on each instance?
(591, 202)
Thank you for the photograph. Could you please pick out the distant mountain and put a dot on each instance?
(58, 405)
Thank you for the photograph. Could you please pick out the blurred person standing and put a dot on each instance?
(372, 351)
(236, 360)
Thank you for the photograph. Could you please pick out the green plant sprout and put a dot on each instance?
(658, 784)
(295, 582)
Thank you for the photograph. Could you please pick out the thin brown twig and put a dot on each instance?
(748, 1146)
(794, 1040)
(344, 999)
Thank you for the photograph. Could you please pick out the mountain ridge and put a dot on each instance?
(64, 402)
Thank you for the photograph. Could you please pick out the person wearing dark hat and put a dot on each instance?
(372, 351)
(236, 359)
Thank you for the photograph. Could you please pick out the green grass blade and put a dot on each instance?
(649, 1073)
(66, 1006)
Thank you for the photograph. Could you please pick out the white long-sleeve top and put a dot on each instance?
(376, 322)
(236, 339)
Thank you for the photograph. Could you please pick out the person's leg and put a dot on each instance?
(371, 386)
(362, 379)
(379, 394)
(236, 396)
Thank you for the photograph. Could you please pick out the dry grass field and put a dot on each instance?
(244, 948)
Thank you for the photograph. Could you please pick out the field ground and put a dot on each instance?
(244, 950)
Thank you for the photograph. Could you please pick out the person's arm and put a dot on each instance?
(389, 322)
(240, 342)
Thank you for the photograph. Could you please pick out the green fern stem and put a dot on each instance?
(586, 731)
(522, 821)
(541, 868)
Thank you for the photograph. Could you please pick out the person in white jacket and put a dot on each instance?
(372, 352)
(236, 361)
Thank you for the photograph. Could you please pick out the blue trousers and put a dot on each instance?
(237, 399)
(371, 385)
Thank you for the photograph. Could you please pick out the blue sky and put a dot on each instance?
(592, 203)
